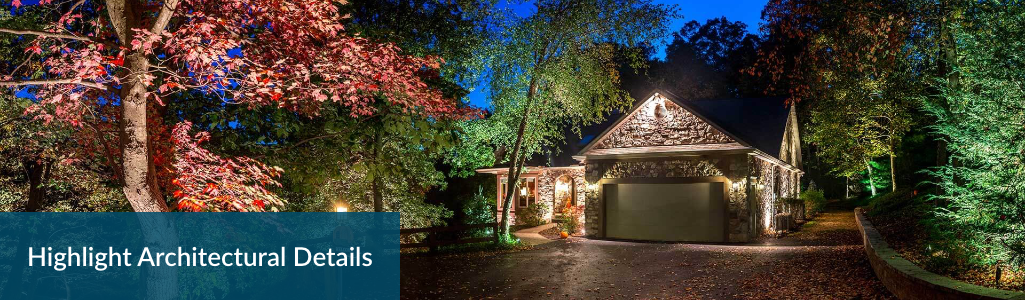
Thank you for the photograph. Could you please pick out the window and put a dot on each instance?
(526, 192)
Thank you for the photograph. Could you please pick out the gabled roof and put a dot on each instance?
(753, 124)
(758, 123)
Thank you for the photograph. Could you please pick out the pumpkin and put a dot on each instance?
(564, 234)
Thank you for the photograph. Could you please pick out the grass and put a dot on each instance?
(513, 244)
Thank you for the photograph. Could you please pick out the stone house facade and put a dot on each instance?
(669, 170)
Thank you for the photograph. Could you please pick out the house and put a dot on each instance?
(671, 170)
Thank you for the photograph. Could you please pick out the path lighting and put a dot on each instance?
(341, 208)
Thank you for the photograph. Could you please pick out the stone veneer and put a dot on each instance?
(546, 186)
(748, 216)
(777, 183)
(546, 189)
(661, 122)
(734, 167)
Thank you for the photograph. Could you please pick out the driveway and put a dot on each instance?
(825, 260)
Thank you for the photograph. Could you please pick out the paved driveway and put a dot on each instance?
(823, 261)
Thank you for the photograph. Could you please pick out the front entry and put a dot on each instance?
(666, 211)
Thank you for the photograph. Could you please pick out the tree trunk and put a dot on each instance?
(847, 189)
(38, 173)
(141, 187)
(515, 162)
(893, 172)
(376, 183)
(871, 183)
(948, 53)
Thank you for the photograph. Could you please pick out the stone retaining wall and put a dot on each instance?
(908, 281)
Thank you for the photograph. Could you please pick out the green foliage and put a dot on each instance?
(532, 215)
(879, 177)
(455, 31)
(481, 209)
(554, 64)
(980, 114)
(890, 202)
(814, 200)
(557, 68)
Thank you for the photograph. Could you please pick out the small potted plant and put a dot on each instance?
(571, 221)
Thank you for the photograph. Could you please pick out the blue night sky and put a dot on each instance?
(747, 11)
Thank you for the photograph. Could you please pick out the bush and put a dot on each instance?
(571, 217)
(532, 215)
(479, 210)
(814, 201)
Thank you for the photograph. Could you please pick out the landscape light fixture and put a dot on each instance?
(341, 208)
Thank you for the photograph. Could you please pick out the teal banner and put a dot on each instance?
(199, 255)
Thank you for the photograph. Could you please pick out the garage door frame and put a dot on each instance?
(676, 180)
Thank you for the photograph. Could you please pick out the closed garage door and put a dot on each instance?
(692, 212)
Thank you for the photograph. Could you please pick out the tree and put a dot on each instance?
(454, 32)
(556, 67)
(293, 55)
(706, 61)
(980, 117)
(854, 67)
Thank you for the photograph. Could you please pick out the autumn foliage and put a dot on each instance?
(207, 182)
(294, 55)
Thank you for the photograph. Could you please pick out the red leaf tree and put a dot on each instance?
(295, 55)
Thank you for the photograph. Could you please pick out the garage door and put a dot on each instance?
(692, 212)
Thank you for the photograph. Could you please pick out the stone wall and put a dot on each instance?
(661, 122)
(733, 167)
(772, 184)
(546, 186)
(909, 281)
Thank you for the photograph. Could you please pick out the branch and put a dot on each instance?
(55, 81)
(47, 34)
(166, 12)
(307, 140)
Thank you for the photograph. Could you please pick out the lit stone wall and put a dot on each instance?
(772, 185)
(546, 186)
(733, 167)
(661, 122)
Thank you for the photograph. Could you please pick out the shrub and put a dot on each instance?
(814, 201)
(532, 215)
(571, 219)
(479, 210)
